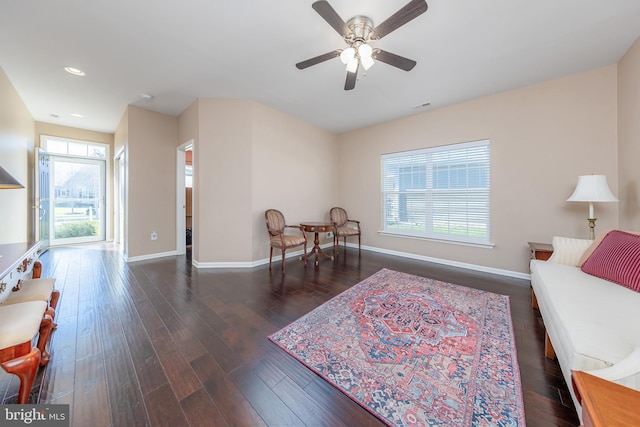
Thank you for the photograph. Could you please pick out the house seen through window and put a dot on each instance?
(440, 193)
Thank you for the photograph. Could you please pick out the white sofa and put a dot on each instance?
(591, 324)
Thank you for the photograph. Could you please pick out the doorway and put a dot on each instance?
(184, 197)
(120, 200)
(71, 191)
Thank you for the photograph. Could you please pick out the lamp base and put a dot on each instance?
(592, 228)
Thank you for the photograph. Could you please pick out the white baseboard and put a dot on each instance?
(150, 256)
(296, 254)
(448, 262)
(251, 264)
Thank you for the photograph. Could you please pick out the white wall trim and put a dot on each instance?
(448, 262)
(150, 256)
(475, 267)
(277, 258)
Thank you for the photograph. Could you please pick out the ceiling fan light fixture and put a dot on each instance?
(367, 62)
(352, 66)
(347, 55)
(365, 51)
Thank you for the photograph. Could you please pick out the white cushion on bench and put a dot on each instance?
(20, 322)
(32, 290)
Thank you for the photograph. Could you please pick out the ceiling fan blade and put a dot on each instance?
(329, 14)
(393, 59)
(350, 83)
(318, 59)
(410, 11)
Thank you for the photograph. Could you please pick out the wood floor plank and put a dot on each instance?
(263, 399)
(91, 390)
(159, 342)
(200, 410)
(164, 410)
(236, 409)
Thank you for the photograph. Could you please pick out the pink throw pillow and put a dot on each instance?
(617, 259)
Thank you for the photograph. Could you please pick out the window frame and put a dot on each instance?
(467, 230)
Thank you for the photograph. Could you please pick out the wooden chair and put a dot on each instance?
(276, 226)
(19, 324)
(343, 227)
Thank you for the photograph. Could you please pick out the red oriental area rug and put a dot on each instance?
(414, 351)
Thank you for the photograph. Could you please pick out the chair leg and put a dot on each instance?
(304, 255)
(25, 368)
(283, 251)
(358, 243)
(46, 325)
(270, 256)
(55, 296)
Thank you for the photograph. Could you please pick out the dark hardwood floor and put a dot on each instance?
(161, 343)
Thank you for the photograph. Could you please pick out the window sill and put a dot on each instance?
(432, 239)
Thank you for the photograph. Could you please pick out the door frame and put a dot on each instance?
(120, 193)
(102, 200)
(181, 203)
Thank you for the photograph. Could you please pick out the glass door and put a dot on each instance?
(77, 188)
(42, 184)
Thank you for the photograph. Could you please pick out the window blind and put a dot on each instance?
(441, 192)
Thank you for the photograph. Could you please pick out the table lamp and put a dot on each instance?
(591, 189)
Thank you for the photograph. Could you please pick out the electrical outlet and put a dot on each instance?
(154, 235)
(329, 235)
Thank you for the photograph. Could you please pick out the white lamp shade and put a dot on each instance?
(592, 188)
(367, 62)
(347, 55)
(364, 51)
(352, 66)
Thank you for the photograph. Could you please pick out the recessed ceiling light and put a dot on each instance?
(80, 116)
(75, 71)
(146, 96)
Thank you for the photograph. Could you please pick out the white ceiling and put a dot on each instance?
(182, 50)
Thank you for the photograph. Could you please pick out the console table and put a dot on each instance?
(16, 263)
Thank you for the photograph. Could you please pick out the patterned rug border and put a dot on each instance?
(513, 353)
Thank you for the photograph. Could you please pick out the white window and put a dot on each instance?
(438, 193)
(70, 147)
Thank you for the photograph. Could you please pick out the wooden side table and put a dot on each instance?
(605, 403)
(316, 228)
(542, 251)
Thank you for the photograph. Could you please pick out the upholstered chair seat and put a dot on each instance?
(288, 241)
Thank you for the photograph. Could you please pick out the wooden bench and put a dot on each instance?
(20, 325)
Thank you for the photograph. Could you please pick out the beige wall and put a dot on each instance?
(542, 138)
(222, 181)
(295, 170)
(151, 168)
(249, 158)
(16, 157)
(629, 137)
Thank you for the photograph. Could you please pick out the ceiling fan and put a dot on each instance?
(358, 32)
